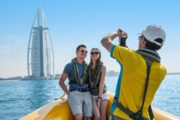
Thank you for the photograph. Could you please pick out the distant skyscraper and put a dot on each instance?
(40, 57)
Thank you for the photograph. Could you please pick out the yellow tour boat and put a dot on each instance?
(59, 110)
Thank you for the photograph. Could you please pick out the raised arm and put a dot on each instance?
(107, 40)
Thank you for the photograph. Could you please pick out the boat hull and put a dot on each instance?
(59, 110)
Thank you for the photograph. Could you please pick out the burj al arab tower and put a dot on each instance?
(40, 56)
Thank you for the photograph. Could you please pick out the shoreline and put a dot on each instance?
(21, 78)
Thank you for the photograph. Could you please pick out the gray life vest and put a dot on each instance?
(78, 79)
(94, 81)
(149, 56)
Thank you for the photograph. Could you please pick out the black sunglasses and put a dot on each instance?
(92, 53)
(140, 37)
(83, 51)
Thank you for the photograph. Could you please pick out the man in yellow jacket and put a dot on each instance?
(141, 73)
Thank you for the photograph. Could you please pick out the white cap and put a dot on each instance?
(153, 32)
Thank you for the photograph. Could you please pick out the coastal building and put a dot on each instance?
(40, 55)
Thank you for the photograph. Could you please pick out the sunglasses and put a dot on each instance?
(96, 53)
(83, 51)
(140, 37)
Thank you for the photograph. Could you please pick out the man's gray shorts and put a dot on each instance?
(80, 103)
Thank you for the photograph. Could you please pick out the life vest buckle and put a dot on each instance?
(137, 116)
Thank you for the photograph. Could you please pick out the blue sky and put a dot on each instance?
(73, 22)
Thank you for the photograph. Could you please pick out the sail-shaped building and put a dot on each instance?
(40, 57)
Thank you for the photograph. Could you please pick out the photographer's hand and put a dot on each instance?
(120, 32)
(122, 38)
(107, 40)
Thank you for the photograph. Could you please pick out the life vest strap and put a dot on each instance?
(133, 115)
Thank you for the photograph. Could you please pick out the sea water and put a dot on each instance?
(20, 97)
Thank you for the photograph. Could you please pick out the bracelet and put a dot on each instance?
(99, 97)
